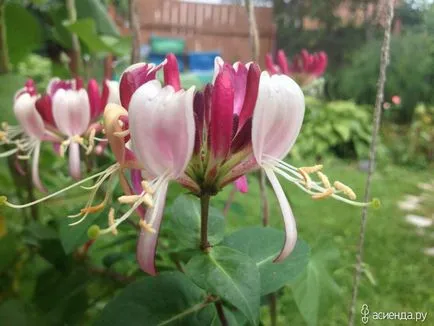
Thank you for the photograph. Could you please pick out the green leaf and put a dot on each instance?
(86, 31)
(343, 130)
(23, 32)
(316, 287)
(10, 83)
(263, 245)
(8, 250)
(62, 296)
(185, 222)
(73, 236)
(167, 299)
(58, 14)
(96, 11)
(46, 240)
(231, 275)
(12, 313)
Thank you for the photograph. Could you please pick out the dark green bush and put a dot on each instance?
(410, 73)
(339, 127)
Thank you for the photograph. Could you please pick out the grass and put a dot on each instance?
(402, 274)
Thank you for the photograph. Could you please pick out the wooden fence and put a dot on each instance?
(207, 27)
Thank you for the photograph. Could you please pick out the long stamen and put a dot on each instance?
(53, 194)
(9, 152)
(320, 190)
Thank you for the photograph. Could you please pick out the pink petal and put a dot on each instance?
(147, 243)
(288, 217)
(134, 77)
(240, 79)
(43, 106)
(171, 72)
(241, 184)
(136, 180)
(222, 115)
(35, 169)
(251, 95)
(199, 110)
(74, 160)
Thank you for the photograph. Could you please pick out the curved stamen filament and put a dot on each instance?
(55, 193)
(316, 191)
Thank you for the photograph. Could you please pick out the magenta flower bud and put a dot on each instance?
(222, 109)
(94, 98)
(282, 61)
(171, 72)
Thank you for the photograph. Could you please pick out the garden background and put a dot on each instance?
(50, 276)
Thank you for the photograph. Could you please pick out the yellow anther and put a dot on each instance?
(23, 157)
(307, 180)
(3, 135)
(147, 200)
(345, 189)
(128, 199)
(93, 209)
(91, 141)
(147, 227)
(5, 125)
(325, 181)
(78, 139)
(327, 193)
(121, 134)
(147, 188)
(111, 221)
(311, 169)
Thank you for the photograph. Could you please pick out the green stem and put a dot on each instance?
(204, 211)
(4, 55)
(75, 54)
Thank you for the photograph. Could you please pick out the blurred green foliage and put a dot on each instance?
(410, 73)
(341, 128)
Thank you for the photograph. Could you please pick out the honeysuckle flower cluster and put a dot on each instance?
(67, 116)
(304, 68)
(243, 121)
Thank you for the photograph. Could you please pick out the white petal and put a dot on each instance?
(29, 118)
(71, 111)
(218, 65)
(74, 160)
(288, 217)
(277, 117)
(162, 128)
(113, 87)
(147, 244)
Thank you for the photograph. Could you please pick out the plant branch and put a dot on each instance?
(204, 211)
(75, 54)
(385, 49)
(135, 31)
(4, 54)
(221, 313)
